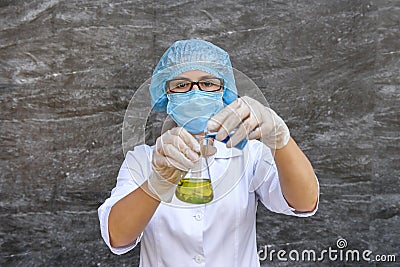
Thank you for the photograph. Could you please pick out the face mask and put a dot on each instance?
(193, 109)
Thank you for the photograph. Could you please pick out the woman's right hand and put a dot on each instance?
(174, 154)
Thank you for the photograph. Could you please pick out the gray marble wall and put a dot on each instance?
(68, 69)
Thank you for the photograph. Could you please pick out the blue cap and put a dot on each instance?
(186, 55)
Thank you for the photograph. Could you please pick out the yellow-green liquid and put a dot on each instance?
(194, 190)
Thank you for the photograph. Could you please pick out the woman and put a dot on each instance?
(194, 82)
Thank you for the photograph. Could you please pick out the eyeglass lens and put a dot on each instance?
(181, 85)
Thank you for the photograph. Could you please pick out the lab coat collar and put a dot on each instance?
(224, 152)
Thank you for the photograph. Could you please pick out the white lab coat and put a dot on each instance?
(220, 233)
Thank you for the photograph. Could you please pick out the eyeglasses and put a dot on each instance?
(184, 85)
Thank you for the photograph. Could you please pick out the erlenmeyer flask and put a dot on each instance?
(196, 187)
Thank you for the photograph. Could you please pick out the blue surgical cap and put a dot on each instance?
(186, 55)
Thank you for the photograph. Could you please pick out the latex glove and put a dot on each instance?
(174, 154)
(253, 121)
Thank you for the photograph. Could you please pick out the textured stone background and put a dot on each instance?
(69, 68)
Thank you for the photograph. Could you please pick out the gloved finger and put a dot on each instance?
(170, 137)
(170, 164)
(263, 131)
(251, 123)
(161, 166)
(255, 107)
(179, 143)
(178, 157)
(170, 174)
(189, 153)
(215, 123)
(233, 121)
(255, 134)
(160, 143)
(176, 176)
(238, 136)
(246, 127)
(189, 140)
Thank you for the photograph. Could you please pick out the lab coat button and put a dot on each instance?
(198, 216)
(198, 259)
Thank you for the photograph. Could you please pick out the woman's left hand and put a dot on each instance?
(252, 120)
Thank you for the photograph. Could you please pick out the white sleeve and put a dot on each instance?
(132, 174)
(267, 186)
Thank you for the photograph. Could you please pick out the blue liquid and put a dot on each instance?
(240, 145)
